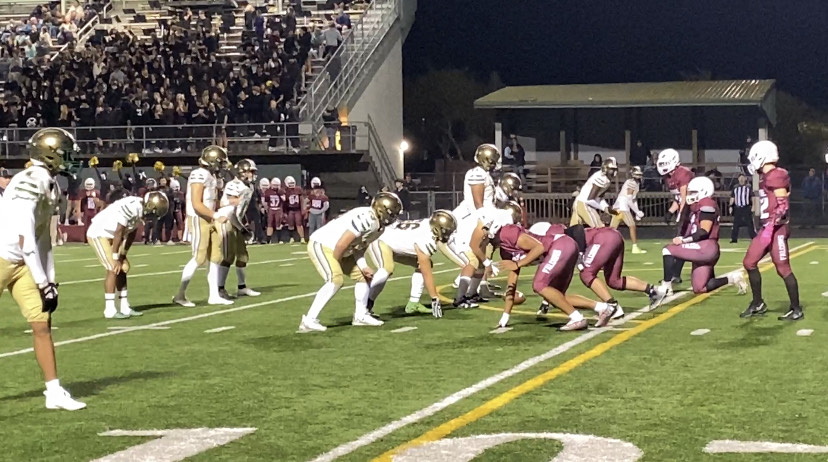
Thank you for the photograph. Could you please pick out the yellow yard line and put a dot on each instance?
(498, 402)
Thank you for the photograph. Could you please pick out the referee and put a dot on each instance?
(741, 200)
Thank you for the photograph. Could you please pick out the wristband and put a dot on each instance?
(487, 263)
(362, 263)
(687, 240)
(116, 256)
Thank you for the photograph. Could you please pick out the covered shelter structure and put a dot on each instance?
(706, 121)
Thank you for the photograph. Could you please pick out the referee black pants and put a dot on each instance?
(742, 217)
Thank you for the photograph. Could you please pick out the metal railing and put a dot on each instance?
(344, 69)
(380, 162)
(85, 31)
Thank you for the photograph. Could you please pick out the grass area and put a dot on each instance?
(665, 391)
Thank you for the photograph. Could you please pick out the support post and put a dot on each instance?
(564, 151)
(628, 147)
(762, 136)
(694, 143)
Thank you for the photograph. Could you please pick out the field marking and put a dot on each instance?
(189, 318)
(75, 260)
(404, 329)
(763, 447)
(286, 264)
(298, 253)
(814, 262)
(120, 328)
(433, 409)
(177, 271)
(498, 402)
(500, 330)
(804, 332)
(219, 329)
(700, 332)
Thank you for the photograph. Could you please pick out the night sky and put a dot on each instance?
(595, 41)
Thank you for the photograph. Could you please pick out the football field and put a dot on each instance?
(690, 381)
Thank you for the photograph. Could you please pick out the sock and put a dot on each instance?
(504, 319)
(715, 283)
(462, 288)
(755, 278)
(224, 271)
(322, 298)
(474, 284)
(122, 296)
(576, 316)
(677, 268)
(601, 306)
(417, 283)
(378, 283)
(53, 385)
(361, 291)
(109, 305)
(793, 289)
(186, 275)
(579, 234)
(650, 289)
(668, 262)
(241, 274)
(213, 278)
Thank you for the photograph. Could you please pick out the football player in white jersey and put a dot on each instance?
(411, 243)
(589, 202)
(507, 189)
(340, 246)
(234, 232)
(626, 207)
(202, 192)
(111, 235)
(27, 267)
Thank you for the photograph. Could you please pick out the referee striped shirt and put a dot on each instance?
(741, 195)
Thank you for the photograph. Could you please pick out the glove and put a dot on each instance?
(49, 297)
(159, 166)
(117, 165)
(93, 162)
(436, 308)
(495, 270)
(639, 215)
(766, 235)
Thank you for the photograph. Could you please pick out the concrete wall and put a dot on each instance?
(382, 101)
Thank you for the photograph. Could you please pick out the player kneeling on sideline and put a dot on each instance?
(411, 243)
(559, 255)
(341, 244)
(27, 266)
(700, 245)
(111, 235)
(235, 231)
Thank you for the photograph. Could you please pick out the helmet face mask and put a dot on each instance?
(610, 167)
(316, 182)
(636, 173)
(443, 224)
(387, 206)
(245, 170)
(290, 182)
(699, 188)
(668, 161)
(487, 156)
(761, 153)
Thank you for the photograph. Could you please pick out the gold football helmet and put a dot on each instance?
(213, 158)
(636, 173)
(387, 206)
(442, 225)
(516, 210)
(245, 170)
(610, 167)
(511, 184)
(487, 156)
(156, 203)
(54, 148)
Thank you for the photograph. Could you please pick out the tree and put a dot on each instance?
(439, 111)
(799, 147)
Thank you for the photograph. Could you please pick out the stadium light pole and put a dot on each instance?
(403, 148)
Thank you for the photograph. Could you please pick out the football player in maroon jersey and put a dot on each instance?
(293, 207)
(774, 192)
(274, 198)
(677, 177)
(319, 204)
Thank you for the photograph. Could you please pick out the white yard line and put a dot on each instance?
(219, 329)
(403, 329)
(379, 433)
(189, 318)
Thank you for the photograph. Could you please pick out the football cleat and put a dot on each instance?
(738, 279)
(464, 303)
(580, 262)
(311, 325)
(223, 294)
(181, 300)
(477, 299)
(132, 313)
(619, 313)
(366, 320)
(754, 309)
(659, 293)
(543, 309)
(605, 316)
(417, 307)
(574, 325)
(638, 250)
(494, 286)
(247, 292)
(825, 294)
(115, 315)
(218, 300)
(794, 314)
(61, 399)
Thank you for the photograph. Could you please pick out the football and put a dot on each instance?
(519, 298)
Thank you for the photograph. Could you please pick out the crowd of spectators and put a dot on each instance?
(176, 80)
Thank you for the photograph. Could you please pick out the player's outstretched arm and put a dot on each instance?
(343, 243)
(425, 265)
(478, 243)
(533, 247)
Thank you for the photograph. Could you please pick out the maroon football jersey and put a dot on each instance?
(293, 196)
(273, 198)
(508, 242)
(706, 205)
(88, 200)
(777, 178)
(681, 176)
(318, 199)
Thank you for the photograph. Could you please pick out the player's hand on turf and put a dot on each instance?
(436, 308)
(49, 297)
(678, 241)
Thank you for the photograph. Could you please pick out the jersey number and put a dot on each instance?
(406, 225)
(763, 204)
(294, 199)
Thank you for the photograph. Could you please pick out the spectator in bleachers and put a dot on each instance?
(515, 155)
(344, 20)
(331, 120)
(595, 165)
(332, 38)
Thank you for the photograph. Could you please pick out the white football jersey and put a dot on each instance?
(237, 188)
(598, 179)
(202, 176)
(361, 221)
(31, 192)
(476, 176)
(126, 212)
(627, 195)
(405, 237)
